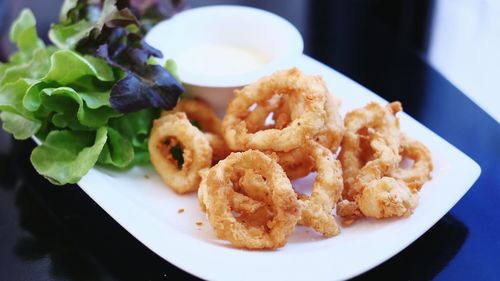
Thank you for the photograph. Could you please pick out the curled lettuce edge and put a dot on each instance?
(66, 156)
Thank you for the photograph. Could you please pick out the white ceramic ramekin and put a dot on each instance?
(257, 29)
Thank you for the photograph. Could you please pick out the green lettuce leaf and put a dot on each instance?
(34, 68)
(171, 67)
(95, 99)
(69, 107)
(83, 21)
(11, 97)
(67, 67)
(136, 126)
(67, 36)
(66, 8)
(19, 126)
(118, 151)
(66, 156)
(23, 34)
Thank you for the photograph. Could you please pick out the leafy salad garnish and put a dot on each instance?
(115, 35)
(92, 96)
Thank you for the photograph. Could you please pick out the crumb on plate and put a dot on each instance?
(347, 222)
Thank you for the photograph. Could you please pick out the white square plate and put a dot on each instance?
(145, 207)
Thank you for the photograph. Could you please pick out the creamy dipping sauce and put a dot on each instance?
(220, 60)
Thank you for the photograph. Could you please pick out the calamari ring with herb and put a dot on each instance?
(306, 97)
(171, 132)
(270, 224)
(203, 117)
(200, 113)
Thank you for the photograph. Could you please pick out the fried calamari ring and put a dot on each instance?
(251, 231)
(175, 131)
(420, 171)
(203, 117)
(370, 147)
(248, 199)
(202, 190)
(308, 94)
(238, 202)
(370, 151)
(199, 113)
(333, 132)
(298, 163)
(219, 147)
(387, 197)
(316, 210)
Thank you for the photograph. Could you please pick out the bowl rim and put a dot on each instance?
(285, 60)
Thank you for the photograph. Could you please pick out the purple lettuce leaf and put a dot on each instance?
(117, 37)
(149, 87)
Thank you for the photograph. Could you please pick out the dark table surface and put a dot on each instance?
(59, 233)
